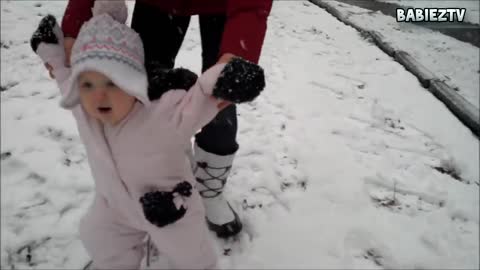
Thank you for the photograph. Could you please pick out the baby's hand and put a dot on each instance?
(46, 32)
(47, 42)
(163, 80)
(240, 81)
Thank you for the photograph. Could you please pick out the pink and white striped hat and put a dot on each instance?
(108, 46)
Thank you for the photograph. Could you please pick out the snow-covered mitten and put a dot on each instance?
(47, 42)
(162, 207)
(240, 81)
(211, 172)
(161, 80)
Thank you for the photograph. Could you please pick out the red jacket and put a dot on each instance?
(244, 30)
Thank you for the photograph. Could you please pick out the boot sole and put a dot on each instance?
(229, 229)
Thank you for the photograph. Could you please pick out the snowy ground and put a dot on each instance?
(336, 167)
(472, 6)
(454, 61)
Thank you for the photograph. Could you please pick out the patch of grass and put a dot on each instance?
(4, 45)
(448, 167)
(5, 155)
(7, 86)
(374, 256)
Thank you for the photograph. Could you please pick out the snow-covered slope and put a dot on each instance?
(455, 62)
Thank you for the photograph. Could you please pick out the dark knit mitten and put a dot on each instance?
(159, 207)
(161, 80)
(44, 33)
(240, 81)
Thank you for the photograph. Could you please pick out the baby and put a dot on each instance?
(144, 183)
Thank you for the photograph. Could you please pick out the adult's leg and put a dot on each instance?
(216, 143)
(211, 32)
(219, 136)
(162, 34)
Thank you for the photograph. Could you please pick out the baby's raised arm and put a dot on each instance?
(237, 81)
(47, 43)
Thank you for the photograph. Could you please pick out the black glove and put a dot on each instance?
(161, 80)
(159, 208)
(44, 32)
(240, 81)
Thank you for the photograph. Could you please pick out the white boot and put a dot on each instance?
(211, 172)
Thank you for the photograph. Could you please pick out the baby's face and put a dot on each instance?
(102, 99)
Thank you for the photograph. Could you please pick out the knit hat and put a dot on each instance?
(112, 48)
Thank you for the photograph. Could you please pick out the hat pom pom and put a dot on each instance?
(117, 9)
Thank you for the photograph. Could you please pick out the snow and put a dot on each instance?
(335, 168)
(472, 7)
(455, 62)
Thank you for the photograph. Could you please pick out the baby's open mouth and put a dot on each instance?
(104, 109)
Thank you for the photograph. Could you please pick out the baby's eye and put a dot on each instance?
(86, 85)
(110, 84)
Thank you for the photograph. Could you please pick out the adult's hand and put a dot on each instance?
(222, 105)
(68, 44)
(225, 58)
(50, 70)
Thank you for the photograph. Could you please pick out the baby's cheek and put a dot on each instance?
(89, 108)
(85, 101)
(125, 105)
(122, 109)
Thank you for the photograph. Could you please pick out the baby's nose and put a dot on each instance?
(101, 95)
